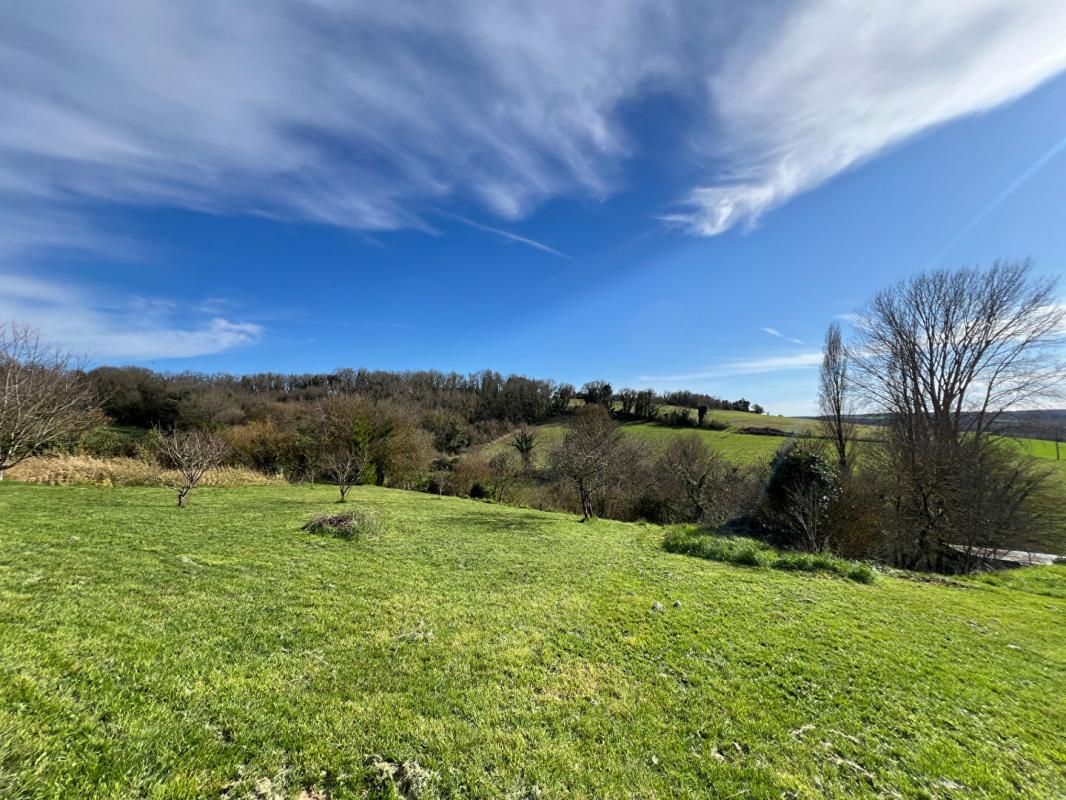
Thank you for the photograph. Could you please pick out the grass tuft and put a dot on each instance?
(694, 541)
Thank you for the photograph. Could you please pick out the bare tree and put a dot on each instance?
(834, 397)
(943, 355)
(690, 471)
(525, 441)
(347, 436)
(189, 454)
(593, 454)
(956, 349)
(45, 400)
(504, 473)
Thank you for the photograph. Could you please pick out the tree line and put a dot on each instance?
(938, 358)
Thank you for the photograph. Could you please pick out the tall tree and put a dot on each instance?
(835, 397)
(943, 355)
(45, 400)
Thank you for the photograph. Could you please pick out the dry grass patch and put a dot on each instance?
(70, 470)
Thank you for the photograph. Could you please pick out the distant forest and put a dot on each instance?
(486, 402)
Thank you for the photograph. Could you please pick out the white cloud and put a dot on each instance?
(752, 366)
(141, 329)
(368, 115)
(357, 115)
(840, 81)
(775, 332)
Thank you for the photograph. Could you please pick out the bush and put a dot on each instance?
(677, 418)
(694, 541)
(110, 442)
(349, 525)
(471, 477)
(799, 498)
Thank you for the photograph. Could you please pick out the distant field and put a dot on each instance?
(737, 447)
(742, 419)
(498, 652)
(1041, 448)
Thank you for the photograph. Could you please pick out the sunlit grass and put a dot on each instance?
(147, 651)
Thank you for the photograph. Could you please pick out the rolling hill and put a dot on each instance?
(475, 650)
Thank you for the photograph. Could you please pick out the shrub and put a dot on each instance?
(802, 491)
(349, 525)
(677, 418)
(471, 477)
(110, 442)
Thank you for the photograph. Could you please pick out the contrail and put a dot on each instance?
(511, 237)
(1033, 168)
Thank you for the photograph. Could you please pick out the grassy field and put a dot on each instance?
(739, 448)
(497, 652)
(745, 419)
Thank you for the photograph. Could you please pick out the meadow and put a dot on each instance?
(478, 650)
(737, 447)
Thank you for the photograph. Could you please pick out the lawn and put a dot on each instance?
(152, 652)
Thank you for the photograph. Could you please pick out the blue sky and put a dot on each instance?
(643, 192)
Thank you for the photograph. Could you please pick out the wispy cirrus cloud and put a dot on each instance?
(369, 115)
(751, 366)
(777, 334)
(129, 328)
(356, 115)
(839, 82)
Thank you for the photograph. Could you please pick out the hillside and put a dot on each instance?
(220, 651)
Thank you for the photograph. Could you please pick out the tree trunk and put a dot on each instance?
(586, 503)
(182, 494)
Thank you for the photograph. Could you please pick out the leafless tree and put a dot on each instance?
(347, 434)
(690, 471)
(504, 471)
(834, 397)
(593, 455)
(525, 441)
(45, 399)
(943, 355)
(189, 454)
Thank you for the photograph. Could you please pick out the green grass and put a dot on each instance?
(738, 448)
(1040, 448)
(694, 541)
(152, 652)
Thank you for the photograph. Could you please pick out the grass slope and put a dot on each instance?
(150, 652)
(739, 448)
